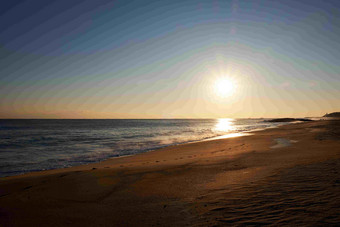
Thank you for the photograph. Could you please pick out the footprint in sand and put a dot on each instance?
(28, 187)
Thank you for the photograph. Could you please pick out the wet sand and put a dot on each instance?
(282, 176)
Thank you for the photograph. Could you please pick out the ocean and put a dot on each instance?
(35, 145)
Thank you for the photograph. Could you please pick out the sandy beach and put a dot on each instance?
(280, 176)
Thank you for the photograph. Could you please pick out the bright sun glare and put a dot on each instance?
(224, 87)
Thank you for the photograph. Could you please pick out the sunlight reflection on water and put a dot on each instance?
(225, 125)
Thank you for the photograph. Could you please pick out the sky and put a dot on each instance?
(164, 59)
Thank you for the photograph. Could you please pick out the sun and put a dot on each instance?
(224, 87)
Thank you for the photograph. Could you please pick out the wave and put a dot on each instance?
(50, 144)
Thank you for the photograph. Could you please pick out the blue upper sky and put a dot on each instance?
(121, 58)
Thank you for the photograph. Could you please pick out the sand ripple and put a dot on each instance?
(304, 195)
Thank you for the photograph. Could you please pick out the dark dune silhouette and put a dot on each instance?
(334, 114)
(288, 119)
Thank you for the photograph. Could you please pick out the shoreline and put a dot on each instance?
(90, 165)
(226, 136)
(197, 184)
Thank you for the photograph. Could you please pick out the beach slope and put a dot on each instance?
(281, 176)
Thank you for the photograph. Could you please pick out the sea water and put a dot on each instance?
(34, 145)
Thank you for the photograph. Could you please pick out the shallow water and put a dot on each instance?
(33, 145)
(282, 142)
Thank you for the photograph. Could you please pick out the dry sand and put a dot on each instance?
(282, 176)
